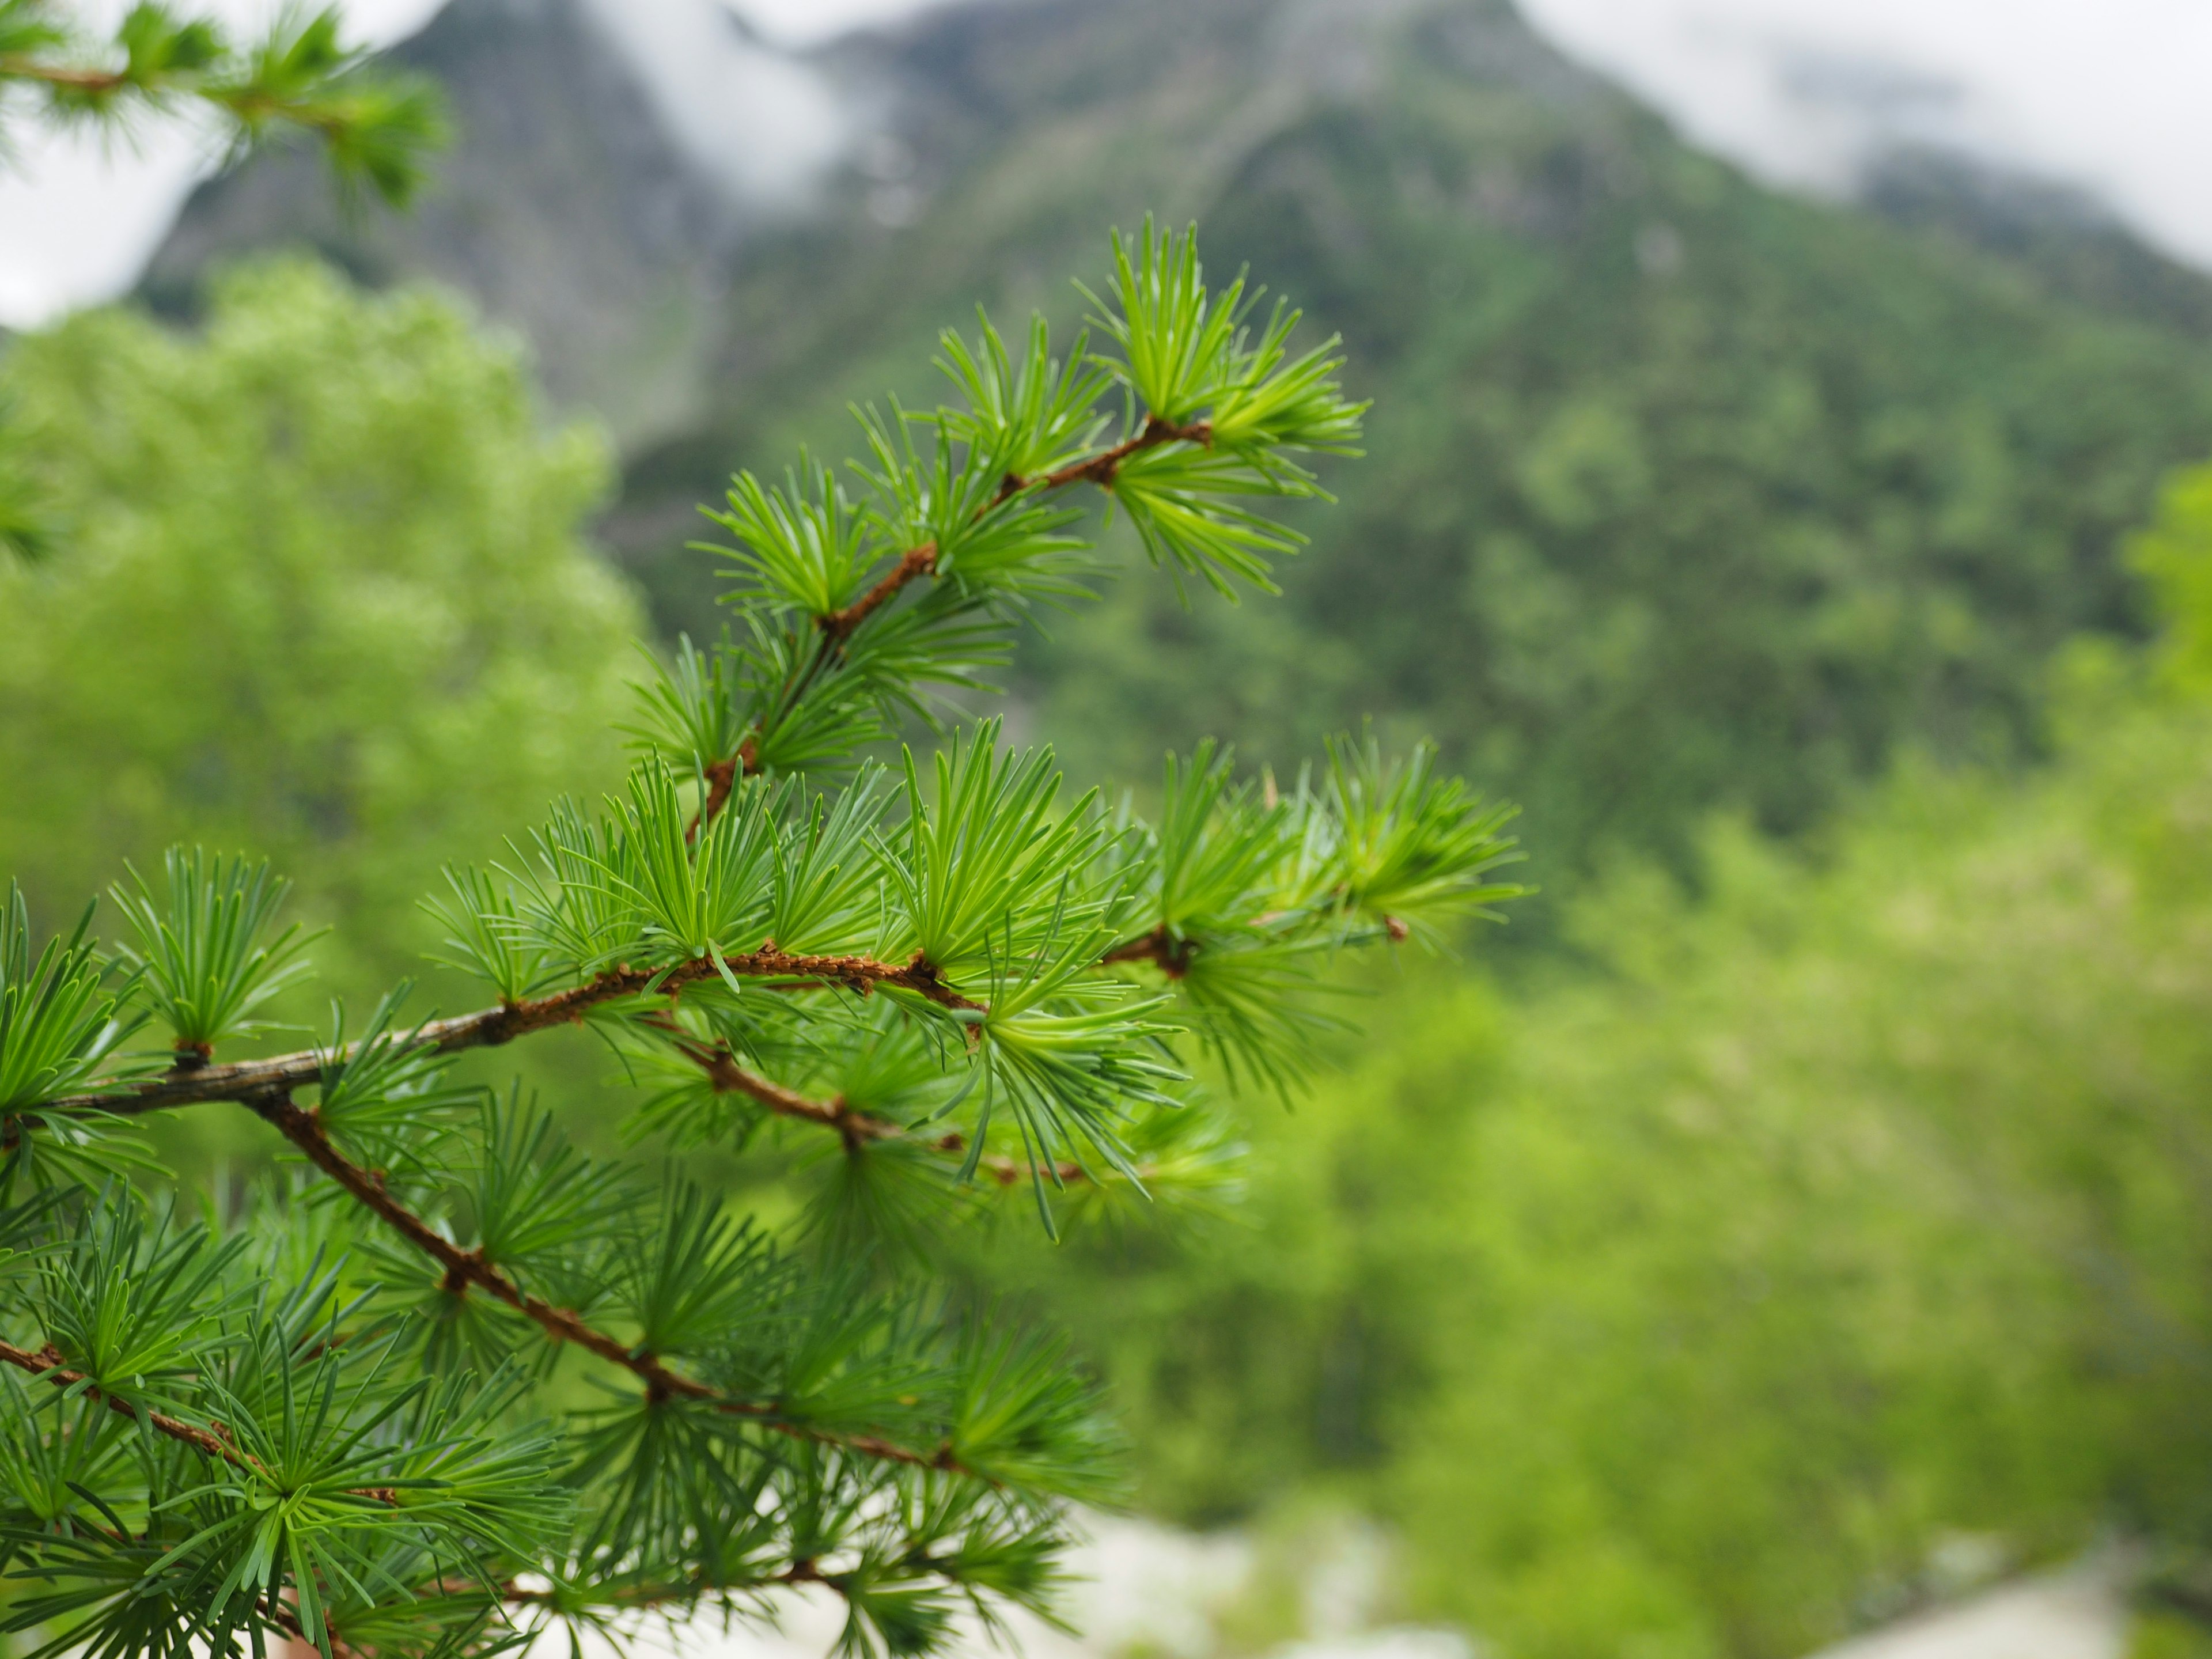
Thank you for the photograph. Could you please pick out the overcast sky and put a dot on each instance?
(2110, 94)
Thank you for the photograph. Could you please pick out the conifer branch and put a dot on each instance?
(856, 1129)
(465, 1268)
(689, 1592)
(246, 1080)
(779, 1428)
(376, 128)
(48, 1365)
(838, 626)
(1097, 469)
(1171, 955)
(722, 777)
(16, 67)
(1100, 468)
(632, 1597)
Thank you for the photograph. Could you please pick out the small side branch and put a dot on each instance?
(837, 627)
(467, 1268)
(93, 82)
(685, 1593)
(856, 1129)
(1172, 955)
(722, 777)
(47, 1363)
(248, 1080)
(1100, 468)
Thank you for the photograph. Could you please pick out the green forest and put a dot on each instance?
(1812, 1171)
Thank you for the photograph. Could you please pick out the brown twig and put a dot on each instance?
(245, 105)
(856, 1129)
(1172, 955)
(48, 1364)
(721, 778)
(492, 1027)
(1100, 468)
(467, 1268)
(838, 626)
(96, 82)
(650, 1596)
(1006, 1171)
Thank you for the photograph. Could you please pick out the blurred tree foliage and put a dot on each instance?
(1686, 1306)
(1718, 500)
(319, 590)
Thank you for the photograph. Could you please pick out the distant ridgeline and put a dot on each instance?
(1683, 494)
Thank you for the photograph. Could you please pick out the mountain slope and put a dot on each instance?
(565, 208)
(1682, 493)
(2068, 243)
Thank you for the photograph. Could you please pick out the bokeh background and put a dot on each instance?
(1787, 480)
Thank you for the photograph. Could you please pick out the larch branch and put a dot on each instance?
(15, 67)
(47, 1363)
(857, 1129)
(1171, 954)
(466, 1268)
(1100, 468)
(838, 626)
(722, 777)
(493, 1027)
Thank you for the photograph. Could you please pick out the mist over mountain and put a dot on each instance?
(1681, 492)
(606, 167)
(2070, 242)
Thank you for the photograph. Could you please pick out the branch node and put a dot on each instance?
(839, 625)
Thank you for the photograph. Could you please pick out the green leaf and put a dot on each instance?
(541, 1210)
(136, 1303)
(1034, 416)
(1177, 341)
(1180, 498)
(691, 707)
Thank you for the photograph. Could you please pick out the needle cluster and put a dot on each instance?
(298, 75)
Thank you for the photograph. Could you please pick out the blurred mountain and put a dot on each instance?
(569, 207)
(2065, 239)
(1681, 493)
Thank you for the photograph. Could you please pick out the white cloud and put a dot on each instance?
(765, 125)
(2107, 94)
(809, 22)
(79, 217)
